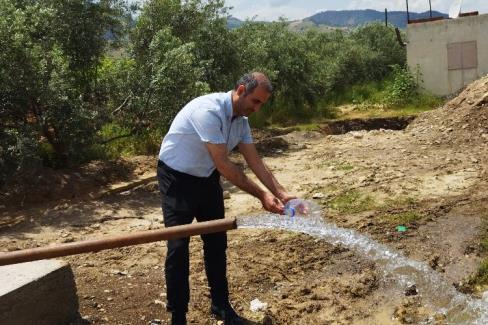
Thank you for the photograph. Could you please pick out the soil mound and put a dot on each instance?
(463, 120)
(51, 184)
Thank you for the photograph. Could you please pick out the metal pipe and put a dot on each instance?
(95, 245)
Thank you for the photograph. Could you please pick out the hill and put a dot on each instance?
(352, 18)
(331, 19)
(233, 22)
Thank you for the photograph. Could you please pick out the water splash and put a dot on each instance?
(435, 291)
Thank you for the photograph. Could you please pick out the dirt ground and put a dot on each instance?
(431, 177)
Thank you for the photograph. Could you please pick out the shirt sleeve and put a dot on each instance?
(207, 125)
(246, 136)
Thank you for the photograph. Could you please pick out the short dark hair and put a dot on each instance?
(254, 79)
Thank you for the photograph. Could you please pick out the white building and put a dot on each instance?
(450, 53)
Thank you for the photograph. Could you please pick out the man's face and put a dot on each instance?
(251, 102)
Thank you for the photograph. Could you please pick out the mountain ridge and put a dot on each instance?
(353, 18)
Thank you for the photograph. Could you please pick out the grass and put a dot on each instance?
(371, 109)
(137, 144)
(371, 99)
(352, 202)
(344, 166)
(308, 127)
(364, 100)
(402, 218)
(399, 201)
(479, 280)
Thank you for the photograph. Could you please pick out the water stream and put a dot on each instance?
(435, 291)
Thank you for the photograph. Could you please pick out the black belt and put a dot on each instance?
(215, 173)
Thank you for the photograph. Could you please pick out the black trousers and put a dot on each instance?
(186, 197)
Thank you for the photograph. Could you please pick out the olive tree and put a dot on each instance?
(48, 66)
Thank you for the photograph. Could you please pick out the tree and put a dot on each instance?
(48, 65)
(180, 50)
(290, 61)
(381, 42)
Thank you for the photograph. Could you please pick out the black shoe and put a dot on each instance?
(178, 319)
(227, 314)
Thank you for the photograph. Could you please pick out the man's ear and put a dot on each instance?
(241, 89)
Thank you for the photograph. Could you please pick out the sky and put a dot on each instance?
(269, 10)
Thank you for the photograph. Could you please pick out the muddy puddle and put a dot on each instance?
(403, 274)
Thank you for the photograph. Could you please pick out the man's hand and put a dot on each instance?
(272, 203)
(285, 197)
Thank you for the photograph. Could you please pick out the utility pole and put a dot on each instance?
(408, 14)
(386, 17)
(430, 6)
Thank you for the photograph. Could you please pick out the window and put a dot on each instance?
(462, 55)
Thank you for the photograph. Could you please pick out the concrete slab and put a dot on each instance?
(40, 292)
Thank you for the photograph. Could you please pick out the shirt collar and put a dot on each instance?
(228, 107)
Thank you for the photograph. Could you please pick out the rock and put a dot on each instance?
(411, 290)
(160, 303)
(67, 240)
(118, 272)
(305, 291)
(318, 195)
(357, 135)
(257, 305)
(226, 195)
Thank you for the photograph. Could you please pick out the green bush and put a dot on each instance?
(19, 153)
(117, 141)
(403, 87)
(48, 64)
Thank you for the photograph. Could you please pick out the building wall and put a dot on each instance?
(427, 48)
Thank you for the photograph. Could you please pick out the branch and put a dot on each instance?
(122, 105)
(116, 138)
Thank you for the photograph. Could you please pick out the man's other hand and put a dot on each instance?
(272, 203)
(285, 197)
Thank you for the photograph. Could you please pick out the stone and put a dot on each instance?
(226, 195)
(411, 290)
(41, 292)
(318, 195)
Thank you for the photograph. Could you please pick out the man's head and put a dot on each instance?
(250, 93)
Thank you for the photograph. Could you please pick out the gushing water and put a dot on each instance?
(436, 292)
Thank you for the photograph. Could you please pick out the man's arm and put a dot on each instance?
(233, 174)
(259, 168)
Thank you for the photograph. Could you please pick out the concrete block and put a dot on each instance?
(40, 292)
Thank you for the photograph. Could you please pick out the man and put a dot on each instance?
(193, 155)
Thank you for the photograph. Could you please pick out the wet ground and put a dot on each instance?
(430, 178)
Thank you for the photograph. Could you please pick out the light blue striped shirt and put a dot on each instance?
(205, 119)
